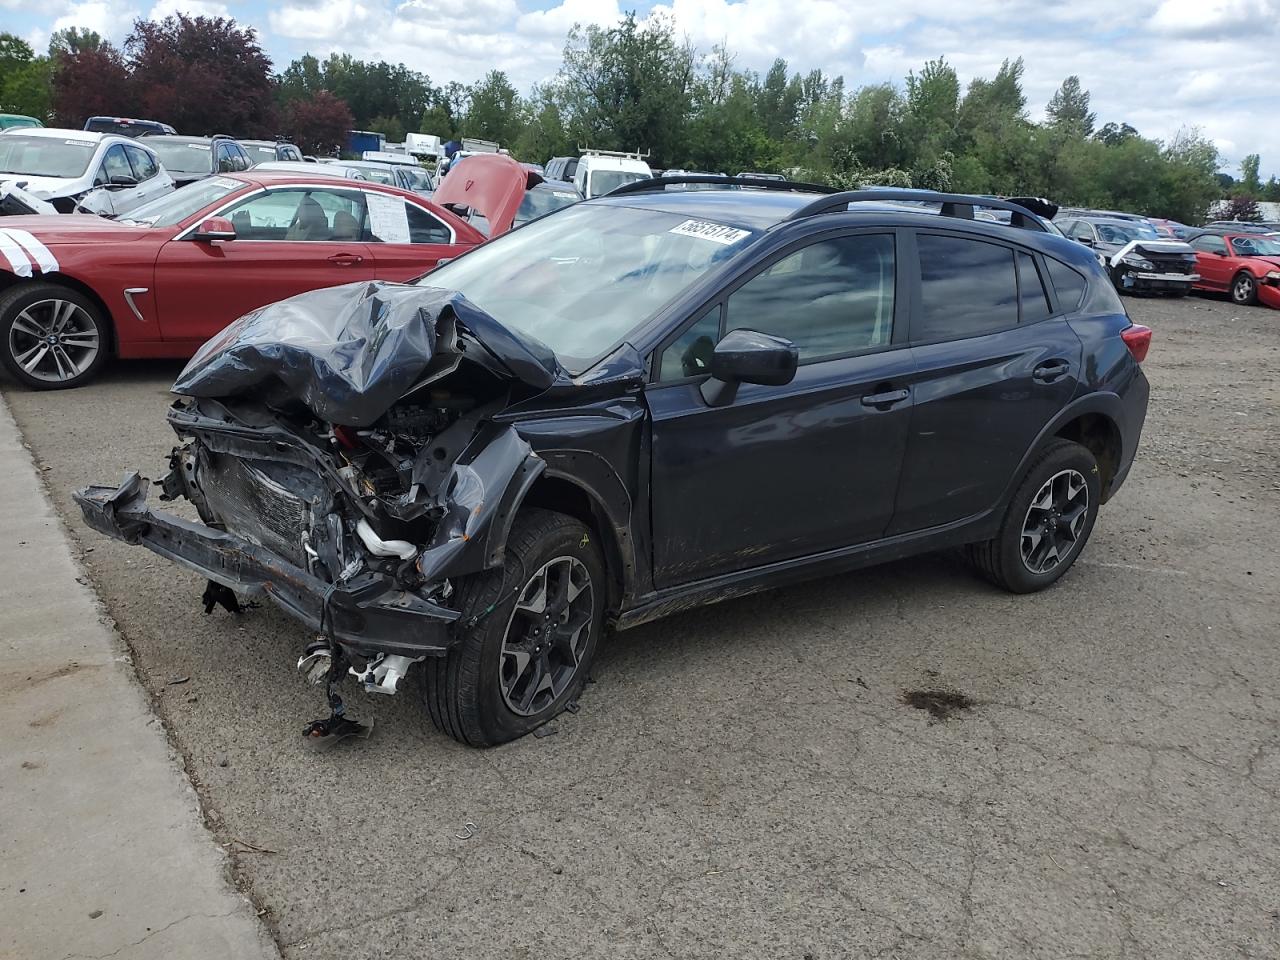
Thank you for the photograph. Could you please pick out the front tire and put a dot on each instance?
(1244, 289)
(1047, 523)
(528, 634)
(51, 337)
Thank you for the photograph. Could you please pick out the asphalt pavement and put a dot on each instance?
(758, 778)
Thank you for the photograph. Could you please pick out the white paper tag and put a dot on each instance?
(198, 146)
(225, 183)
(706, 230)
(388, 218)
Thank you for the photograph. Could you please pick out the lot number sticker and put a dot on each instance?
(705, 230)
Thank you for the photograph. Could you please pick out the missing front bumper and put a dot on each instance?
(369, 614)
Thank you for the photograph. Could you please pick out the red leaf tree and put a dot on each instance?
(319, 123)
(91, 83)
(204, 75)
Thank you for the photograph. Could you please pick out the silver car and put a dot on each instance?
(78, 169)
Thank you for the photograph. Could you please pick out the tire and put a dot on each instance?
(465, 691)
(1001, 559)
(31, 311)
(1244, 289)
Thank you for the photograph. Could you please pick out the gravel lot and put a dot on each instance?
(747, 780)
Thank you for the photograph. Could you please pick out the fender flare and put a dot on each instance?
(1107, 404)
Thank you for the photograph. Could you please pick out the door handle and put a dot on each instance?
(1050, 371)
(345, 259)
(885, 400)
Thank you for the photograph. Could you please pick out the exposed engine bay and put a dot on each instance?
(345, 453)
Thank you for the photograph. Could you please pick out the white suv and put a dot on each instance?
(600, 171)
(100, 172)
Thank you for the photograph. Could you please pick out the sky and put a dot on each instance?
(1158, 65)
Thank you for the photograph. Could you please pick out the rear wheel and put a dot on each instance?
(51, 337)
(1047, 523)
(1244, 289)
(529, 633)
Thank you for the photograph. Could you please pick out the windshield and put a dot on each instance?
(1115, 233)
(584, 280)
(179, 157)
(175, 207)
(45, 156)
(1256, 247)
(539, 201)
(602, 181)
(260, 153)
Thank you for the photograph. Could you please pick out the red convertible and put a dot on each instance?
(76, 289)
(1245, 265)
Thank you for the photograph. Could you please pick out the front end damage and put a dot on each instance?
(1154, 266)
(342, 453)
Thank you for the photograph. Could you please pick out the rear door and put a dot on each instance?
(996, 361)
(406, 240)
(783, 472)
(288, 240)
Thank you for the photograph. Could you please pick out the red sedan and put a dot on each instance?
(1245, 265)
(75, 289)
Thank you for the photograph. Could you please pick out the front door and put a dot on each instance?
(783, 472)
(995, 363)
(288, 240)
(1212, 262)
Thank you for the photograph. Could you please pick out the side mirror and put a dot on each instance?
(1087, 241)
(215, 228)
(746, 356)
(120, 181)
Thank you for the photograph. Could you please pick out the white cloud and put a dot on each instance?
(192, 8)
(110, 20)
(556, 21)
(1216, 16)
(460, 15)
(336, 21)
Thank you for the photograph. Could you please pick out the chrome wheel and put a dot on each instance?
(1055, 520)
(546, 636)
(54, 341)
(1242, 289)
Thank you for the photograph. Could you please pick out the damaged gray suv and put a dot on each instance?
(640, 404)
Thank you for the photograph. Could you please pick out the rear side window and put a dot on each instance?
(1210, 244)
(1070, 286)
(831, 298)
(967, 288)
(1033, 302)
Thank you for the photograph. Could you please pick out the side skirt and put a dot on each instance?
(728, 586)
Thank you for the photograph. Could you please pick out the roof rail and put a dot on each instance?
(956, 205)
(625, 154)
(660, 184)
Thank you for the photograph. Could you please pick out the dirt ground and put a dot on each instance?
(901, 762)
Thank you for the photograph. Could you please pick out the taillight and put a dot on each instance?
(1138, 339)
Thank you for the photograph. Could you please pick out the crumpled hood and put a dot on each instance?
(349, 353)
(1149, 248)
(44, 187)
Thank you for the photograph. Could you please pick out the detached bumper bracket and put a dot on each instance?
(371, 614)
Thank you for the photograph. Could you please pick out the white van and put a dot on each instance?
(600, 171)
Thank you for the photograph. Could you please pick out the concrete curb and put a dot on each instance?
(103, 845)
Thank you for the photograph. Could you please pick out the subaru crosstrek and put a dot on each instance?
(640, 404)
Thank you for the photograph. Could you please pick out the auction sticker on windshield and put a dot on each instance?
(706, 230)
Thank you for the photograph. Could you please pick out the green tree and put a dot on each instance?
(1114, 134)
(1249, 181)
(73, 40)
(1068, 109)
(26, 81)
(493, 110)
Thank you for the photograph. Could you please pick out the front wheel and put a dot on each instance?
(528, 634)
(1047, 523)
(1244, 289)
(51, 337)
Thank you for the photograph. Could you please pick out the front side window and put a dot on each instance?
(1210, 244)
(116, 164)
(300, 215)
(967, 288)
(689, 355)
(144, 165)
(830, 298)
(585, 279)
